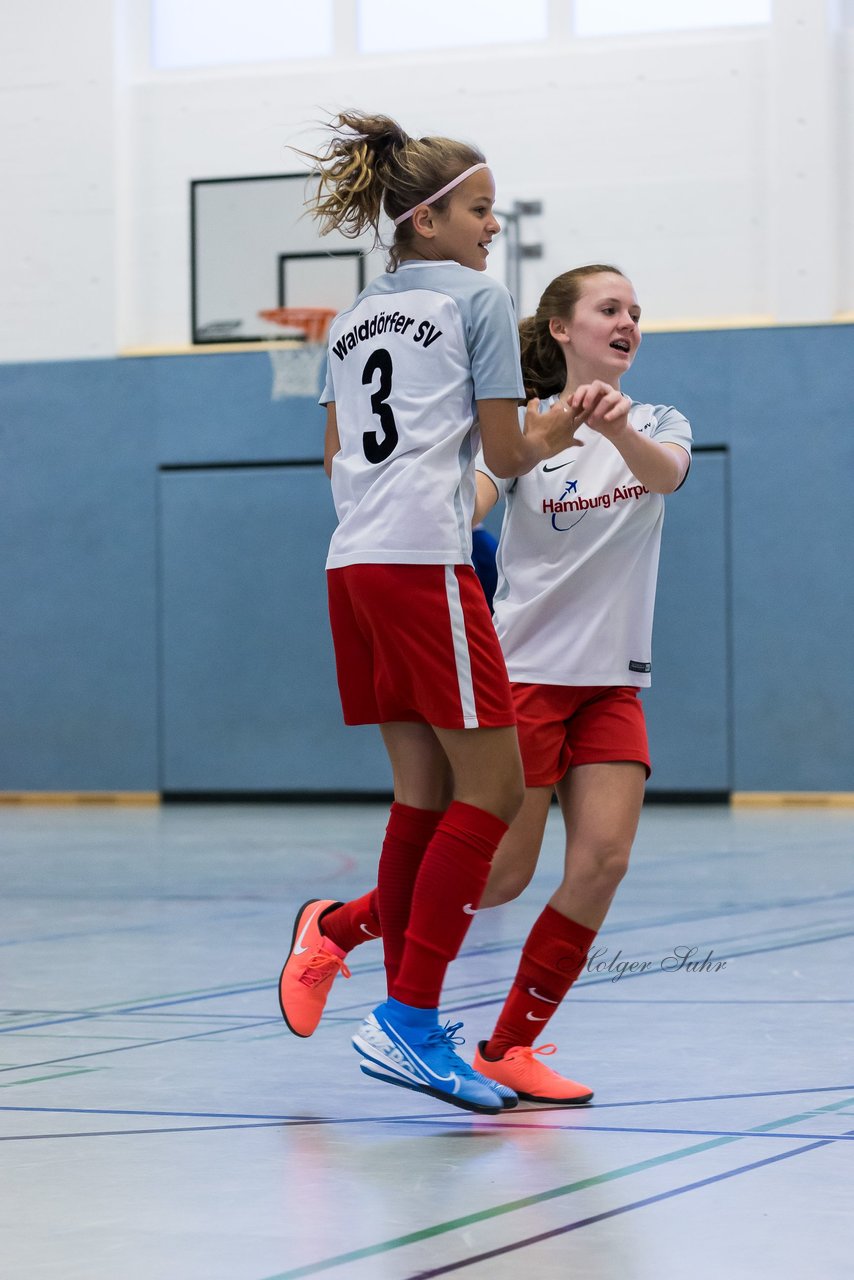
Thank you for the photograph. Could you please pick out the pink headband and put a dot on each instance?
(437, 195)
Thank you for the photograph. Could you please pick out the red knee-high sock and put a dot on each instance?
(407, 836)
(552, 958)
(352, 922)
(450, 883)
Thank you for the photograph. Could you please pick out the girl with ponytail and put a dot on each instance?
(422, 370)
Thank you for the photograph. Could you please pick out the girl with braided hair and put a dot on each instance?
(423, 369)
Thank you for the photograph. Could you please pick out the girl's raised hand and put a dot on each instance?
(602, 408)
(554, 430)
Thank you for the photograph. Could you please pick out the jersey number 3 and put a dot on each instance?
(377, 448)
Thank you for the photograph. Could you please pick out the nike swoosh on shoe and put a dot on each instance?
(451, 1078)
(298, 948)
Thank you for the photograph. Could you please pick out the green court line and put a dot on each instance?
(541, 1197)
(78, 1071)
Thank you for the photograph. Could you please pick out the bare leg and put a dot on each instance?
(516, 857)
(601, 806)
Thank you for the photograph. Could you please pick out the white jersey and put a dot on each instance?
(578, 561)
(406, 364)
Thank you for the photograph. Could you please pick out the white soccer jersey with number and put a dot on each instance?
(406, 364)
(578, 561)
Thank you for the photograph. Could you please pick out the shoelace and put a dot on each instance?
(446, 1034)
(528, 1052)
(322, 965)
(446, 1038)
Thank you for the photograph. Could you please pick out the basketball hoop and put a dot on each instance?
(297, 369)
(312, 322)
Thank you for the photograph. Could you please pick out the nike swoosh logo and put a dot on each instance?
(409, 1052)
(532, 1017)
(470, 910)
(532, 991)
(298, 947)
(546, 467)
(368, 932)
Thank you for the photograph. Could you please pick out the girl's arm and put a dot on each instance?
(660, 467)
(331, 444)
(487, 496)
(510, 452)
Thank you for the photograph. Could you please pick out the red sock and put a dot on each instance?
(407, 836)
(352, 922)
(447, 892)
(552, 958)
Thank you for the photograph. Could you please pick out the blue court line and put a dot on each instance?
(127, 1048)
(822, 1138)
(140, 1008)
(429, 1118)
(593, 1218)
(129, 1133)
(155, 926)
(292, 1123)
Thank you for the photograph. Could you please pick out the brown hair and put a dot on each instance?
(371, 166)
(543, 364)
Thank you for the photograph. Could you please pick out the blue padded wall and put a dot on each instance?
(78, 678)
(103, 682)
(780, 399)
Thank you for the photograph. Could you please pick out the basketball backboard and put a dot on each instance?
(254, 249)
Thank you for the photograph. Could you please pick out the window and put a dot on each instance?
(621, 17)
(386, 26)
(215, 33)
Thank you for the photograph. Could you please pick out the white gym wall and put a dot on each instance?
(714, 166)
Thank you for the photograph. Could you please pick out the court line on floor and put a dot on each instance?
(451, 1008)
(191, 998)
(57, 1075)
(542, 1236)
(429, 1116)
(526, 1202)
(266, 1120)
(586, 983)
(295, 1124)
(128, 1048)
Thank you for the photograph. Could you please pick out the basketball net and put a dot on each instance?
(297, 370)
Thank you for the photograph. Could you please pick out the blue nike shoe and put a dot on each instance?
(406, 1046)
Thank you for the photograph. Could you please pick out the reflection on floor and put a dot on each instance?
(159, 1122)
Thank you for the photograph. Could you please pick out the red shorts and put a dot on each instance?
(564, 725)
(416, 642)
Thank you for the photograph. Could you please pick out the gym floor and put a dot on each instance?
(159, 1122)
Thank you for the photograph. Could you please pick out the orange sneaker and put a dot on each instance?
(313, 964)
(533, 1081)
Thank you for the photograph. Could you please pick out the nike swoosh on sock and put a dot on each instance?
(532, 991)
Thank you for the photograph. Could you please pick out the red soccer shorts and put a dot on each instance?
(564, 725)
(416, 642)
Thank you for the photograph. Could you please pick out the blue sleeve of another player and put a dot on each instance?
(492, 338)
